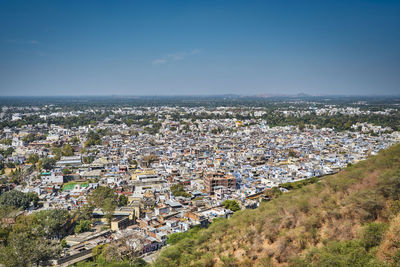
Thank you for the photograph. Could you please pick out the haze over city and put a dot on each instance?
(51, 48)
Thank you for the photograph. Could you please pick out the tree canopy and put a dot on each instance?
(178, 190)
(232, 205)
(48, 163)
(104, 198)
(15, 199)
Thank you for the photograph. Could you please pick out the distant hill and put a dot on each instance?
(348, 219)
(300, 95)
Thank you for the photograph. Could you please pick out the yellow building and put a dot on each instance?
(139, 172)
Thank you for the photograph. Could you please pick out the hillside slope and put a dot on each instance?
(348, 219)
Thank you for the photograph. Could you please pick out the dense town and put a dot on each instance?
(135, 183)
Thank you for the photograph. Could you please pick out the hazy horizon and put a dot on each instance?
(158, 48)
(294, 95)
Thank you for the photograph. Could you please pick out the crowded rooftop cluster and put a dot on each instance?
(134, 177)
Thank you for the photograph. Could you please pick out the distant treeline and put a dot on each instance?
(339, 121)
(192, 101)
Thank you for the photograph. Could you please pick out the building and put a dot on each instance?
(142, 174)
(216, 179)
(69, 161)
(120, 223)
(52, 178)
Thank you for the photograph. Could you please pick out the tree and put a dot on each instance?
(178, 190)
(29, 138)
(57, 152)
(26, 249)
(26, 244)
(108, 207)
(98, 196)
(10, 165)
(133, 162)
(150, 159)
(122, 200)
(232, 205)
(93, 139)
(53, 223)
(15, 199)
(292, 154)
(67, 150)
(33, 198)
(273, 193)
(33, 158)
(7, 152)
(301, 126)
(7, 142)
(372, 234)
(75, 140)
(83, 213)
(111, 253)
(82, 226)
(63, 243)
(48, 163)
(87, 160)
(66, 171)
(17, 175)
(104, 198)
(132, 245)
(349, 164)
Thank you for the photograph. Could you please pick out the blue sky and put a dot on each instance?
(199, 47)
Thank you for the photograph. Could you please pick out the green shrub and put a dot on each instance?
(389, 185)
(372, 234)
(344, 253)
(83, 226)
(178, 190)
(232, 205)
(176, 237)
(14, 199)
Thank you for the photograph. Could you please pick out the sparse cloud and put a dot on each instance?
(175, 57)
(34, 42)
(29, 42)
(159, 61)
(30, 46)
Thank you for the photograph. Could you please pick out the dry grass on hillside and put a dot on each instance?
(322, 224)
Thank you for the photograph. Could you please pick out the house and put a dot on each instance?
(216, 179)
(69, 161)
(52, 178)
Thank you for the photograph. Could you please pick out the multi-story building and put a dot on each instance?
(215, 179)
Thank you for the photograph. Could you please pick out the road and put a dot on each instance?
(151, 257)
